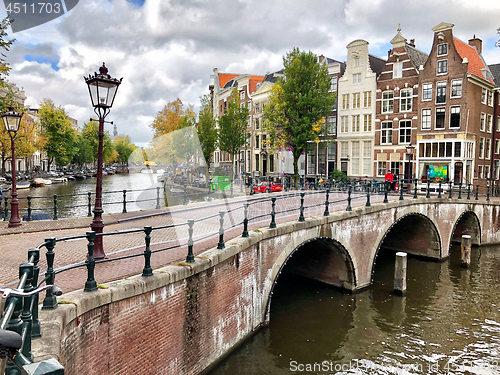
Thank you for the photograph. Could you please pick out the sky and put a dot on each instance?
(168, 49)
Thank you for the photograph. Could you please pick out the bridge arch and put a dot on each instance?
(320, 258)
(413, 233)
(467, 223)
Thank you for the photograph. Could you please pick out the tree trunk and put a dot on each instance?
(295, 171)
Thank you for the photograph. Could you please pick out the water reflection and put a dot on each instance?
(448, 322)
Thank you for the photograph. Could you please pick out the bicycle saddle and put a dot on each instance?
(10, 340)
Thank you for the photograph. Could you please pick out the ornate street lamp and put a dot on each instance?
(102, 89)
(12, 120)
(410, 152)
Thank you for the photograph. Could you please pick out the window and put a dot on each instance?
(483, 96)
(257, 162)
(381, 168)
(497, 146)
(256, 141)
(356, 61)
(271, 163)
(405, 132)
(249, 161)
(455, 116)
(482, 123)
(386, 137)
(249, 106)
(481, 148)
(355, 158)
(397, 70)
(356, 78)
(442, 49)
(344, 124)
(257, 107)
(427, 91)
(486, 171)
(440, 92)
(344, 149)
(367, 99)
(498, 123)
(440, 116)
(332, 125)
(395, 167)
(405, 100)
(356, 100)
(263, 142)
(488, 148)
(345, 101)
(480, 171)
(242, 95)
(458, 149)
(426, 118)
(489, 123)
(333, 87)
(355, 123)
(496, 170)
(257, 124)
(456, 88)
(367, 158)
(388, 102)
(442, 67)
(367, 123)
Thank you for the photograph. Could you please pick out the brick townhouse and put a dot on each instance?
(397, 121)
(454, 139)
(495, 159)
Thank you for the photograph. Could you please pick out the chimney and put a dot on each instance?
(476, 42)
(321, 58)
(412, 42)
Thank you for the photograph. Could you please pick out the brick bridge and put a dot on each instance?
(186, 317)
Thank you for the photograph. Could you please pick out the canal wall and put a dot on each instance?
(186, 317)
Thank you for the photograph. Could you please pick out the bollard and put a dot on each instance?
(349, 208)
(301, 216)
(190, 256)
(50, 301)
(90, 284)
(245, 221)
(415, 193)
(368, 203)
(466, 250)
(477, 192)
(147, 270)
(488, 194)
(29, 208)
(269, 181)
(221, 245)
(55, 207)
(460, 190)
(449, 191)
(124, 211)
(89, 213)
(158, 198)
(273, 213)
(6, 209)
(401, 198)
(468, 191)
(327, 203)
(428, 188)
(400, 273)
(439, 192)
(386, 190)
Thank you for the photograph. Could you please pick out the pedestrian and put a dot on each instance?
(389, 179)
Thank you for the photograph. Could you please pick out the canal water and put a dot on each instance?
(447, 323)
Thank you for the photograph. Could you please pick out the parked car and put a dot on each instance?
(263, 187)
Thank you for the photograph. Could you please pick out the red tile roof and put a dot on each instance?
(253, 81)
(475, 61)
(226, 77)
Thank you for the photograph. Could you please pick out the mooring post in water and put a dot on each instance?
(466, 250)
(400, 273)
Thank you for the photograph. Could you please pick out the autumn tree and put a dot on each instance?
(233, 126)
(60, 136)
(207, 130)
(170, 118)
(298, 104)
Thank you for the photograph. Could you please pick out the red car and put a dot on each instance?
(263, 187)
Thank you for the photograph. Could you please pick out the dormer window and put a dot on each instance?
(442, 49)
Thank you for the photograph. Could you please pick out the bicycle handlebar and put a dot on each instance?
(19, 293)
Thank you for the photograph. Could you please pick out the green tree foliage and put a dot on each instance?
(60, 137)
(4, 45)
(90, 133)
(298, 104)
(207, 131)
(124, 148)
(232, 127)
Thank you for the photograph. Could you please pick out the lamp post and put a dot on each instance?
(102, 89)
(410, 152)
(12, 120)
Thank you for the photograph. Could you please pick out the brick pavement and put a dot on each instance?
(15, 242)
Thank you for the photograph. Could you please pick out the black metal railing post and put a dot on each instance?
(34, 257)
(349, 208)
(468, 191)
(26, 270)
(6, 209)
(488, 193)
(245, 220)
(221, 245)
(450, 191)
(29, 208)
(147, 270)
(439, 192)
(428, 188)
(124, 211)
(273, 213)
(368, 203)
(158, 198)
(401, 198)
(301, 216)
(415, 196)
(477, 192)
(327, 203)
(89, 195)
(460, 190)
(386, 191)
(55, 207)
(190, 256)
(209, 190)
(90, 284)
(50, 301)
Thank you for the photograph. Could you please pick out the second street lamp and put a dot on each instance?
(12, 120)
(102, 89)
